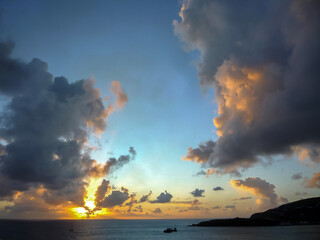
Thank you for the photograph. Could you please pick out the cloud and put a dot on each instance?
(193, 205)
(116, 198)
(296, 176)
(138, 209)
(197, 192)
(102, 191)
(216, 207)
(260, 188)
(45, 126)
(261, 58)
(112, 164)
(242, 198)
(194, 208)
(200, 154)
(145, 198)
(210, 171)
(313, 182)
(45, 123)
(195, 202)
(200, 173)
(30, 204)
(132, 200)
(121, 96)
(157, 211)
(217, 189)
(163, 198)
(73, 192)
(183, 210)
(232, 207)
(284, 200)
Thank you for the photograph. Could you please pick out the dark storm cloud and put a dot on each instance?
(74, 192)
(44, 128)
(197, 192)
(29, 205)
(111, 165)
(296, 176)
(217, 189)
(163, 198)
(9, 187)
(262, 59)
(116, 198)
(201, 153)
(102, 191)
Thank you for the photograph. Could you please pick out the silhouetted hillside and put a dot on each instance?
(306, 211)
(303, 212)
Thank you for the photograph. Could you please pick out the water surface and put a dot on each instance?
(144, 229)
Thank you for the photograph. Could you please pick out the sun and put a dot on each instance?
(90, 204)
(79, 212)
(90, 201)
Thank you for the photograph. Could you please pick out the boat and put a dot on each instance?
(168, 230)
(175, 229)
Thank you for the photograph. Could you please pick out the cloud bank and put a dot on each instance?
(261, 57)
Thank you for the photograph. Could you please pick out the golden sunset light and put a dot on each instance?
(124, 119)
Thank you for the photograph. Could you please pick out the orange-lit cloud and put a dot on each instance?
(264, 191)
(121, 97)
(200, 154)
(210, 171)
(264, 108)
(313, 182)
(241, 92)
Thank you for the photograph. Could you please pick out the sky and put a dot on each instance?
(157, 109)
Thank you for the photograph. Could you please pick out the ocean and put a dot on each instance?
(144, 229)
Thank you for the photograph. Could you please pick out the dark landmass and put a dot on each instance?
(237, 222)
(303, 212)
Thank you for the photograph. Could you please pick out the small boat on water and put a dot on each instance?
(170, 230)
